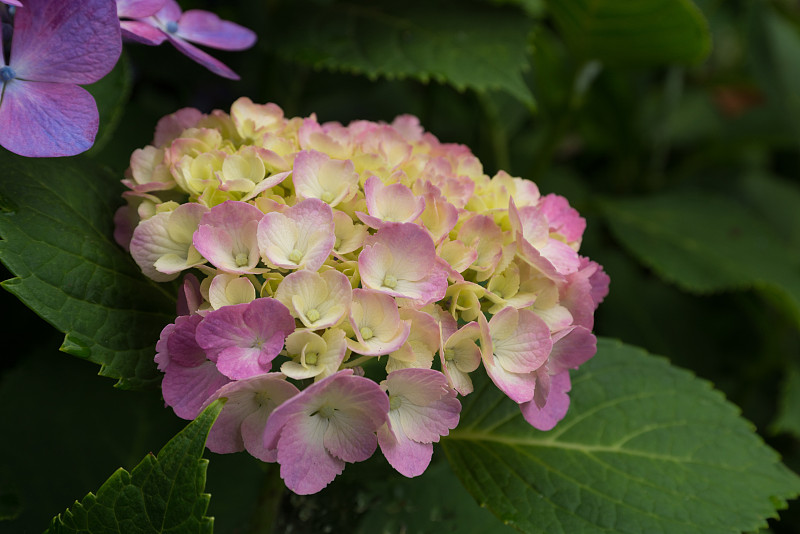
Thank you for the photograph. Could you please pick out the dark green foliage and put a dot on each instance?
(646, 447)
(161, 494)
(57, 238)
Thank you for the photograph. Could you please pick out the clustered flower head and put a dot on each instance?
(347, 282)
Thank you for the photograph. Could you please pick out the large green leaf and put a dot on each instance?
(56, 225)
(161, 494)
(464, 44)
(638, 32)
(645, 447)
(705, 244)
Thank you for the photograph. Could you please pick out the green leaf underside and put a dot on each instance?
(56, 228)
(645, 448)
(707, 244)
(642, 32)
(465, 45)
(161, 494)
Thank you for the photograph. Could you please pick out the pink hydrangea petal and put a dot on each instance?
(206, 28)
(252, 430)
(73, 42)
(307, 226)
(561, 256)
(186, 389)
(180, 342)
(241, 423)
(351, 436)
(406, 253)
(572, 348)
(50, 119)
(556, 407)
(309, 442)
(530, 222)
(243, 339)
(142, 32)
(519, 387)
(189, 297)
(153, 247)
(543, 383)
(229, 228)
(520, 339)
(306, 466)
(171, 126)
(408, 457)
(389, 204)
(138, 9)
(562, 218)
(598, 280)
(428, 407)
(214, 65)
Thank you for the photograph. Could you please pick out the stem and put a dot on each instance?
(357, 362)
(267, 509)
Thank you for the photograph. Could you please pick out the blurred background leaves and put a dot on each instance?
(687, 121)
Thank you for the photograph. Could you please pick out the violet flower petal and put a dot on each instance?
(142, 32)
(170, 12)
(212, 64)
(68, 42)
(205, 28)
(48, 119)
(138, 9)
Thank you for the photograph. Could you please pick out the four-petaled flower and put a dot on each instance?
(181, 29)
(56, 45)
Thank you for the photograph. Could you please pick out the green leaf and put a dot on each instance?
(707, 243)
(645, 447)
(788, 419)
(469, 46)
(641, 32)
(774, 41)
(161, 494)
(777, 201)
(56, 227)
(111, 94)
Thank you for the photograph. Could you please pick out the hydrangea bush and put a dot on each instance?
(342, 289)
(343, 282)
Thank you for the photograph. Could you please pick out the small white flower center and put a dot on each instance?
(326, 411)
(295, 256)
(241, 259)
(395, 402)
(366, 333)
(313, 315)
(311, 358)
(390, 281)
(261, 398)
(449, 355)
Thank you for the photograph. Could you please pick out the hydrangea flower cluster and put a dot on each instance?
(351, 281)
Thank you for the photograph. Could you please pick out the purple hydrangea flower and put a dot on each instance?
(56, 45)
(182, 29)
